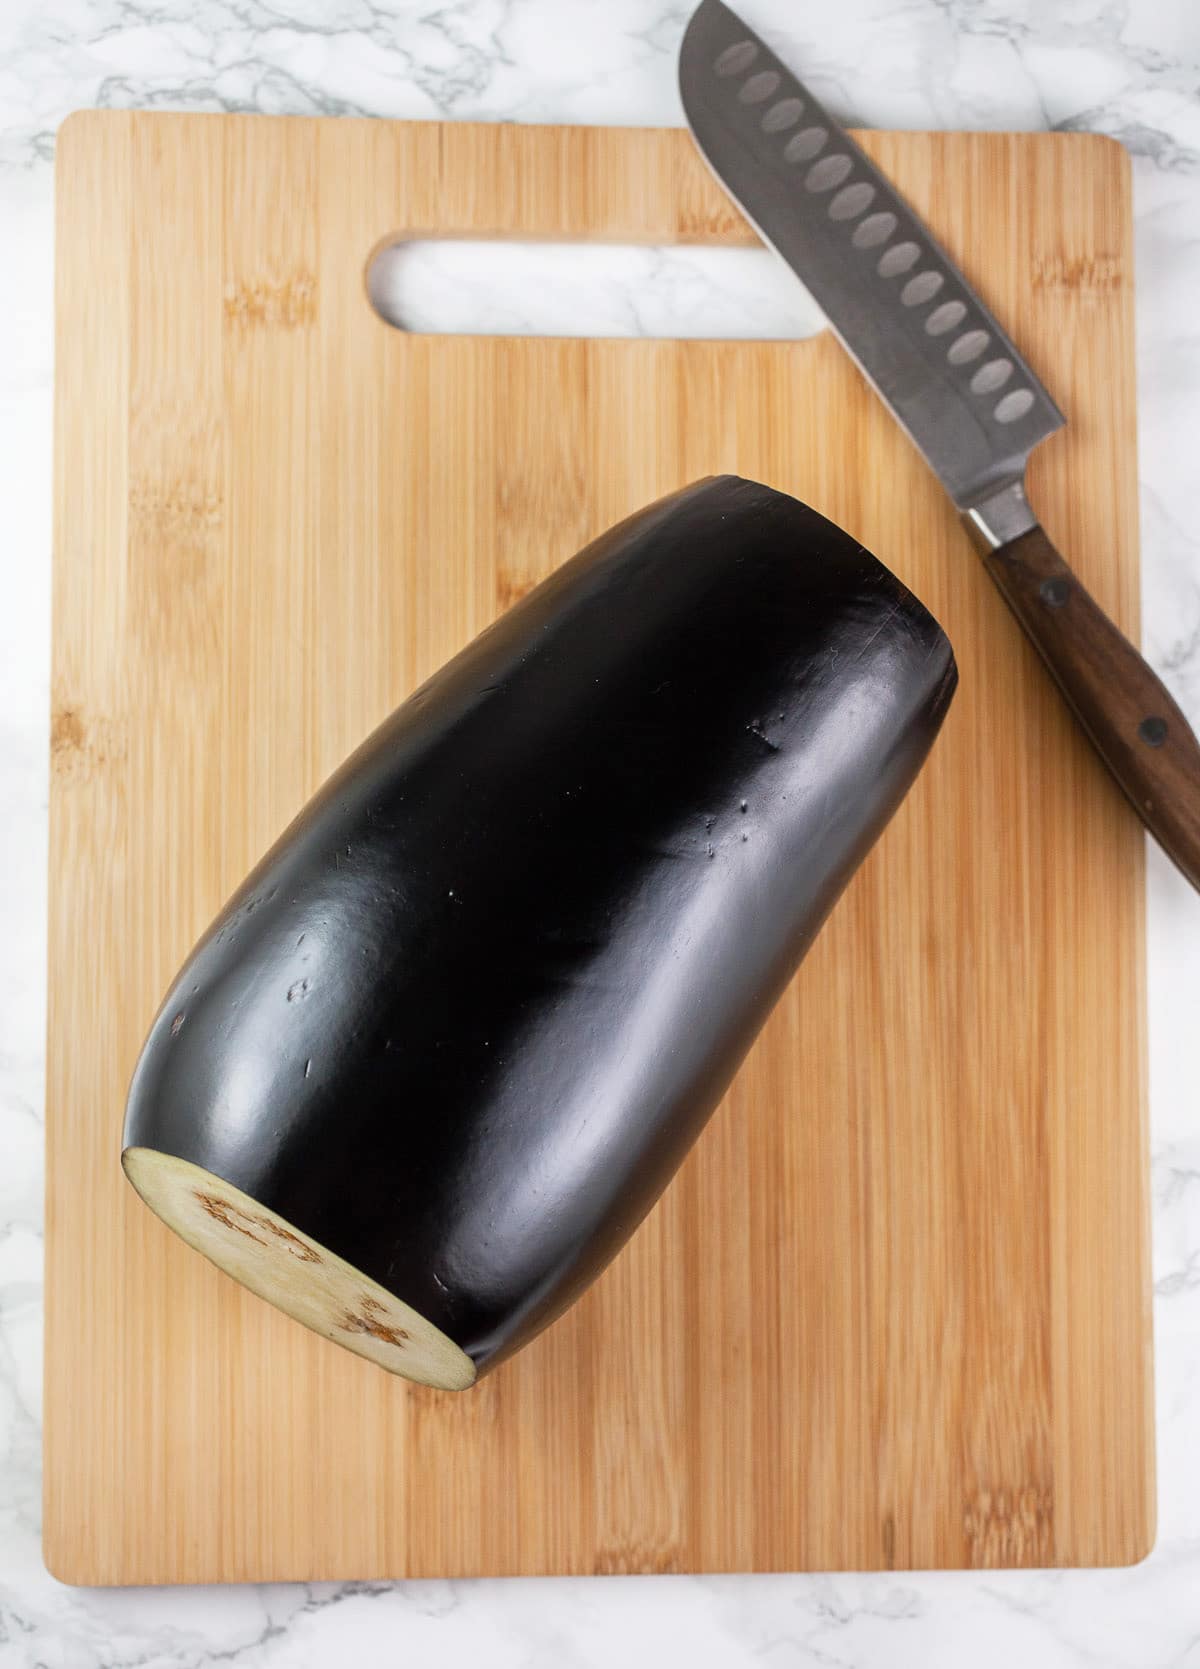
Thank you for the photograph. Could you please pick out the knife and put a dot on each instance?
(952, 377)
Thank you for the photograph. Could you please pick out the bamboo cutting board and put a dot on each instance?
(894, 1310)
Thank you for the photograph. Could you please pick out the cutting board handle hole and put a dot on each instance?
(492, 287)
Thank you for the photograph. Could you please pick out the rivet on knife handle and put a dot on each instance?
(1120, 701)
(954, 379)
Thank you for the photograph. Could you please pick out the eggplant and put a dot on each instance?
(439, 1055)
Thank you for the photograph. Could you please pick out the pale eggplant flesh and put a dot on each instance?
(439, 1055)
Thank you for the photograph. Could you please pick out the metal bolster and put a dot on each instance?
(1002, 516)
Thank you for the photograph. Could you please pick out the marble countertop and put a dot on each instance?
(1130, 68)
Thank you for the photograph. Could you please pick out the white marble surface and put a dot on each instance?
(1124, 67)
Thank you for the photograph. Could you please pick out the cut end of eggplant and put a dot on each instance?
(290, 1270)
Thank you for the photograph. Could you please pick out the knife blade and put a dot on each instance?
(954, 379)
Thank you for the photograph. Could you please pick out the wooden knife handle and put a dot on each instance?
(1122, 704)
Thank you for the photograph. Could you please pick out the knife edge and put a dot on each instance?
(917, 329)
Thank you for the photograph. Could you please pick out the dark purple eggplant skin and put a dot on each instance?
(466, 1017)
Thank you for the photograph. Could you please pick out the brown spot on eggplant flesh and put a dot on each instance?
(233, 1217)
(371, 1319)
(296, 1247)
(554, 941)
(229, 1216)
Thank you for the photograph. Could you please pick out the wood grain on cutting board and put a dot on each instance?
(894, 1310)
